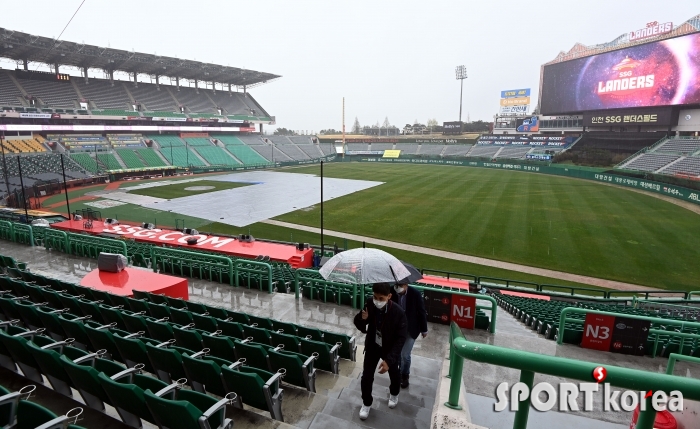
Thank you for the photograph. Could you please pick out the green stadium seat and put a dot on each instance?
(16, 346)
(290, 342)
(160, 329)
(261, 322)
(220, 346)
(253, 353)
(132, 349)
(258, 335)
(74, 327)
(255, 387)
(166, 359)
(126, 393)
(134, 321)
(188, 337)
(204, 322)
(287, 328)
(180, 316)
(188, 409)
(231, 329)
(312, 333)
(32, 416)
(48, 358)
(300, 370)
(83, 374)
(328, 359)
(348, 348)
(204, 372)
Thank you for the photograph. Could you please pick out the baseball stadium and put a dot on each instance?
(560, 243)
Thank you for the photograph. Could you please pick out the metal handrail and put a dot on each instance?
(530, 363)
(671, 322)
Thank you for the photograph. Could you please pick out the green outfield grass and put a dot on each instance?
(177, 190)
(564, 224)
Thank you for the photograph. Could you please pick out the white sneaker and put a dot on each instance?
(393, 400)
(364, 412)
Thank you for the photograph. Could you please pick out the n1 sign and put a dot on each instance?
(463, 311)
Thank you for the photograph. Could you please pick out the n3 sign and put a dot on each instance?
(463, 311)
(597, 332)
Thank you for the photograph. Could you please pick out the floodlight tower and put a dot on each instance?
(461, 74)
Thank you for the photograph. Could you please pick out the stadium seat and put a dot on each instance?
(220, 346)
(253, 353)
(258, 335)
(126, 393)
(132, 349)
(255, 387)
(204, 372)
(188, 409)
(188, 337)
(290, 342)
(166, 360)
(299, 368)
(83, 374)
(32, 416)
(49, 361)
(16, 346)
(328, 359)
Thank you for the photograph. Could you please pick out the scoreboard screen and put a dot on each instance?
(41, 75)
(663, 73)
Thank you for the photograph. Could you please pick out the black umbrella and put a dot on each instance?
(414, 277)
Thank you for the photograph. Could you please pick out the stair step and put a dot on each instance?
(412, 398)
(415, 382)
(383, 418)
(249, 419)
(324, 421)
(299, 406)
(327, 383)
(419, 414)
(425, 367)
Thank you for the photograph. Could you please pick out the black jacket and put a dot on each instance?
(393, 330)
(416, 316)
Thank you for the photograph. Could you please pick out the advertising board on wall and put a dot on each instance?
(662, 116)
(452, 127)
(662, 73)
(515, 102)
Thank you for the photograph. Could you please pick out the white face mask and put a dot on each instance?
(379, 304)
(399, 289)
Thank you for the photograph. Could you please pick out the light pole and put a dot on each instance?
(460, 74)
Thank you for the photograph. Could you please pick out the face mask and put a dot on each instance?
(379, 304)
(399, 289)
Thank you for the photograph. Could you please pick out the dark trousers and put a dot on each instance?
(369, 368)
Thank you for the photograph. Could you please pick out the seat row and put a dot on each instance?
(207, 318)
(110, 330)
(134, 394)
(17, 411)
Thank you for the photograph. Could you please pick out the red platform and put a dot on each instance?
(442, 281)
(130, 279)
(226, 245)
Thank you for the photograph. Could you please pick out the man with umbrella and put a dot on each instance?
(382, 320)
(412, 303)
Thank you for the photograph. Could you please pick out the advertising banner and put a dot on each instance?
(655, 116)
(514, 110)
(663, 73)
(35, 115)
(452, 127)
(518, 101)
(515, 93)
(391, 153)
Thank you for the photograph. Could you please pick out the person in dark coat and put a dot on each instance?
(412, 303)
(384, 322)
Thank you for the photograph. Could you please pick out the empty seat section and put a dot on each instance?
(109, 161)
(180, 156)
(150, 157)
(131, 160)
(216, 156)
(86, 161)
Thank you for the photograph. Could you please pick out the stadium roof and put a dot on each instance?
(20, 46)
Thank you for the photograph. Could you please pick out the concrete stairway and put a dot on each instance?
(414, 410)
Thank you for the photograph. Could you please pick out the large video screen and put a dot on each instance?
(662, 73)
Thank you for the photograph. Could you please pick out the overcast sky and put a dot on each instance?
(392, 59)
